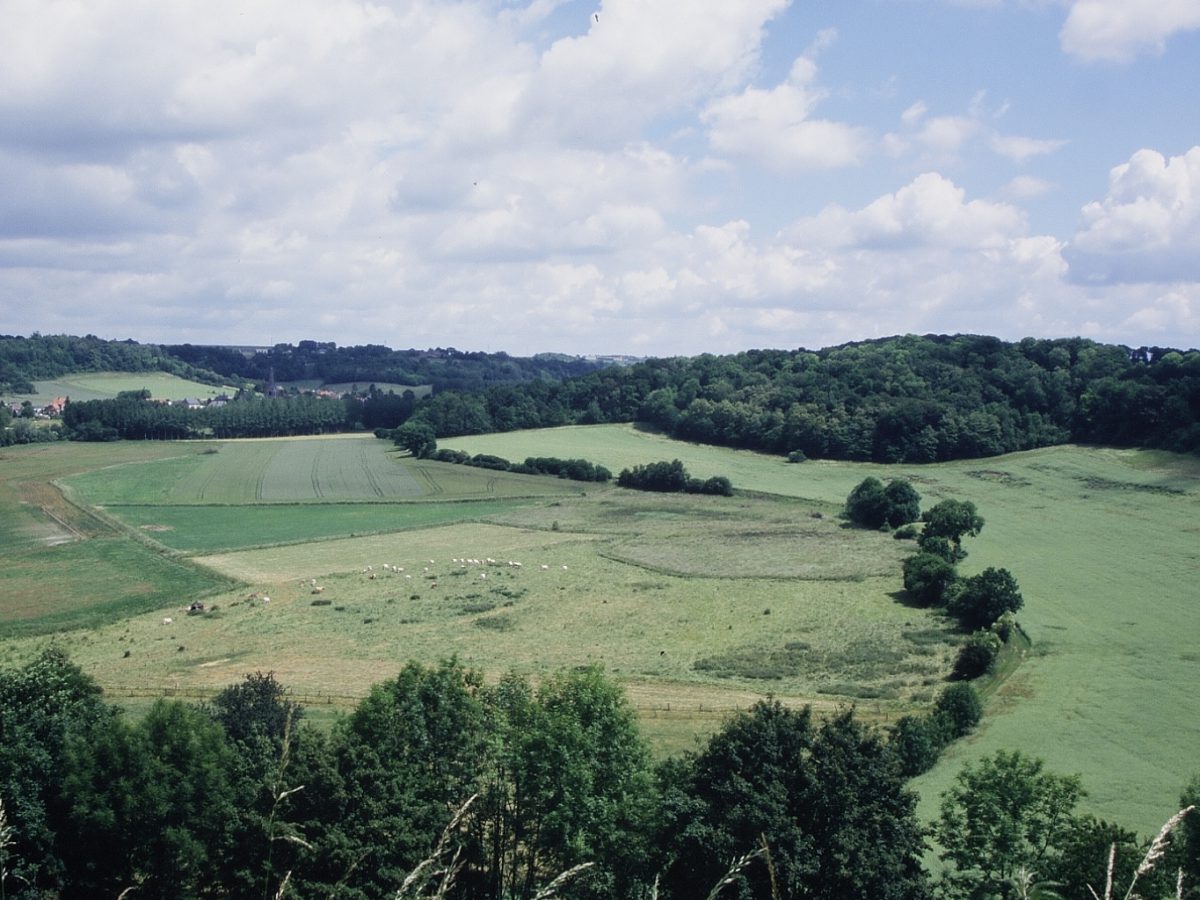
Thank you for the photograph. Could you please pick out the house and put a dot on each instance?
(55, 407)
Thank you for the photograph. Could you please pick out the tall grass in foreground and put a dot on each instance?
(6, 841)
(1158, 848)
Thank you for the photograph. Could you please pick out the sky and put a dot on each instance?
(644, 177)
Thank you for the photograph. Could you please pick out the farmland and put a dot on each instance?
(696, 604)
(1106, 546)
(106, 385)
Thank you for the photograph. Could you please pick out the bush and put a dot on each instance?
(797, 456)
(718, 485)
(487, 461)
(906, 533)
(668, 477)
(672, 477)
(937, 545)
(985, 597)
(917, 742)
(904, 503)
(977, 656)
(867, 505)
(574, 469)
(459, 457)
(958, 710)
(872, 505)
(927, 578)
(1003, 627)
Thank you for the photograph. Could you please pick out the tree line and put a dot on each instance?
(907, 398)
(439, 781)
(24, 360)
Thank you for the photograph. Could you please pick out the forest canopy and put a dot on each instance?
(900, 399)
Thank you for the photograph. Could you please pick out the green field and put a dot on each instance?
(1106, 546)
(106, 386)
(697, 604)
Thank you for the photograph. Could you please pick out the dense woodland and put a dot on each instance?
(909, 398)
(912, 399)
(503, 789)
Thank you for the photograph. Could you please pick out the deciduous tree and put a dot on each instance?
(985, 597)
(1003, 815)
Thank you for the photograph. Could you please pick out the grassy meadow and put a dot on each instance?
(1106, 546)
(697, 604)
(106, 386)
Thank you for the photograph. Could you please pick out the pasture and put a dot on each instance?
(697, 604)
(1106, 546)
(106, 386)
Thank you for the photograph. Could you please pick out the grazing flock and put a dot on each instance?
(372, 573)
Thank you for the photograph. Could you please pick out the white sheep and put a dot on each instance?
(167, 620)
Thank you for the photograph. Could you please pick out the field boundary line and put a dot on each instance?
(646, 710)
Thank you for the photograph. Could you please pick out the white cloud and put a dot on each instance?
(1024, 187)
(773, 127)
(1117, 30)
(1147, 228)
(641, 60)
(929, 211)
(1020, 149)
(514, 174)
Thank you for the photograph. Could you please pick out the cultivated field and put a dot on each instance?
(697, 604)
(106, 386)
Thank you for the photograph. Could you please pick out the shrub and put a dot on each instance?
(977, 656)
(904, 503)
(1003, 627)
(451, 456)
(797, 456)
(672, 477)
(718, 485)
(985, 597)
(872, 505)
(927, 578)
(487, 461)
(958, 710)
(867, 505)
(937, 545)
(917, 742)
(906, 533)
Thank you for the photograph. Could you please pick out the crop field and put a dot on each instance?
(64, 568)
(106, 386)
(334, 469)
(697, 604)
